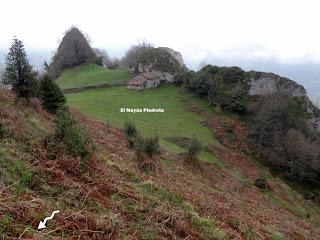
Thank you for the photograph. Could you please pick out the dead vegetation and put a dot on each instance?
(115, 199)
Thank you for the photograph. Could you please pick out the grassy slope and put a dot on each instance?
(115, 198)
(105, 105)
(120, 209)
(176, 121)
(90, 74)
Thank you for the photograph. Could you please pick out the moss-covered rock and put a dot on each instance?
(158, 59)
(73, 50)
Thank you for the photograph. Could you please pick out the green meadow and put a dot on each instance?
(90, 74)
(175, 121)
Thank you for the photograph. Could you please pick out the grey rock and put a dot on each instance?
(175, 54)
(262, 84)
(268, 83)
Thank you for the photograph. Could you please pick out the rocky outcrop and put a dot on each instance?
(314, 116)
(262, 84)
(175, 54)
(269, 83)
(161, 61)
(74, 50)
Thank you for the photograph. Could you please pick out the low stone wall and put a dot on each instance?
(97, 86)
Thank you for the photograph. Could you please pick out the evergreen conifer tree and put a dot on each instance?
(19, 73)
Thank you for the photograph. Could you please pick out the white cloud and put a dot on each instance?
(286, 29)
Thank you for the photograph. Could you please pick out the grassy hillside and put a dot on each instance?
(176, 121)
(113, 198)
(90, 74)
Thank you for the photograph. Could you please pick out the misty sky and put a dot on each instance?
(226, 31)
(285, 29)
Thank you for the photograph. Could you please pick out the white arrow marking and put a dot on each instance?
(43, 224)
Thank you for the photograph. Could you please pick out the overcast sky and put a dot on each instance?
(284, 29)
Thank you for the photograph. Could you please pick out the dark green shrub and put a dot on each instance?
(209, 69)
(222, 86)
(131, 132)
(232, 74)
(151, 145)
(215, 93)
(145, 149)
(51, 95)
(73, 136)
(194, 149)
(2, 130)
(234, 101)
(202, 84)
(184, 77)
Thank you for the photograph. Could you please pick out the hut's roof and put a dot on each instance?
(140, 79)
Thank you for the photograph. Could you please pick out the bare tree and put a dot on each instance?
(105, 60)
(303, 156)
(113, 63)
(103, 56)
(133, 54)
(283, 140)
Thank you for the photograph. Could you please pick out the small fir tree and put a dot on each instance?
(51, 95)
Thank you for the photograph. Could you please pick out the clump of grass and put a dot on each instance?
(5, 223)
(148, 188)
(277, 236)
(243, 227)
(206, 226)
(15, 173)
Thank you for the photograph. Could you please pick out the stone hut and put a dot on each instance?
(145, 80)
